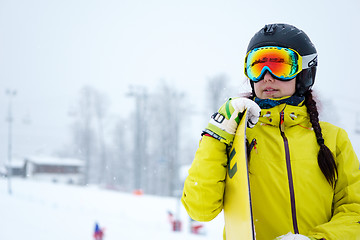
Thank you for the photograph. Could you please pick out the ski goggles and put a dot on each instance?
(282, 63)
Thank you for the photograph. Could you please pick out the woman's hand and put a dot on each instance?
(223, 124)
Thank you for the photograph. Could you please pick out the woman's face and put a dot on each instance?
(270, 87)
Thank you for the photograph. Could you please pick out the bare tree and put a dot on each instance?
(87, 138)
(165, 118)
(216, 91)
(120, 166)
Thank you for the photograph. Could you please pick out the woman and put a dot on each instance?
(304, 174)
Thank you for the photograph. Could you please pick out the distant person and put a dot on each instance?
(304, 174)
(98, 233)
(175, 223)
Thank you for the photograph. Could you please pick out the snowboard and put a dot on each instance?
(237, 199)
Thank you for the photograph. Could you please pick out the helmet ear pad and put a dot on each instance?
(304, 80)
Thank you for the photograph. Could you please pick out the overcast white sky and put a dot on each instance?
(49, 50)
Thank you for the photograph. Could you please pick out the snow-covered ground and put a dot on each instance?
(49, 211)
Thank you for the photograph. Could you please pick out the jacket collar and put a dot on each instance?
(272, 102)
(293, 115)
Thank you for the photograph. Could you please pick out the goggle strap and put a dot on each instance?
(309, 61)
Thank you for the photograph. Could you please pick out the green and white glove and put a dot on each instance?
(223, 124)
(291, 236)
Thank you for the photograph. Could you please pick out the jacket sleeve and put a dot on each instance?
(204, 187)
(345, 222)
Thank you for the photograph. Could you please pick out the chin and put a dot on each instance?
(269, 96)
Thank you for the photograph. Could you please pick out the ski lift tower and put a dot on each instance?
(140, 163)
(9, 119)
(357, 123)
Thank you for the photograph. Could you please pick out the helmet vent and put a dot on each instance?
(269, 29)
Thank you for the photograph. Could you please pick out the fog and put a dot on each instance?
(50, 50)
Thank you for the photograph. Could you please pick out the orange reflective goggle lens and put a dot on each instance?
(283, 63)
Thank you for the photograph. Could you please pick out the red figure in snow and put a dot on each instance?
(98, 233)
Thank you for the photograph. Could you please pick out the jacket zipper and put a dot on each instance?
(289, 173)
(252, 146)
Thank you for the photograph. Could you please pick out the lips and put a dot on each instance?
(270, 89)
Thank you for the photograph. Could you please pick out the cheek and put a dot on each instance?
(289, 88)
(257, 88)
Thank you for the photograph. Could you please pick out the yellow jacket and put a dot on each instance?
(288, 189)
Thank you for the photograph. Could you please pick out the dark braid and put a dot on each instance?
(325, 158)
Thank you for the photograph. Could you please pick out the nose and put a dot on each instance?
(268, 77)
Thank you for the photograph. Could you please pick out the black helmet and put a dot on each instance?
(288, 36)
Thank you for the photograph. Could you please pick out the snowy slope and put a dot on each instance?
(47, 211)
